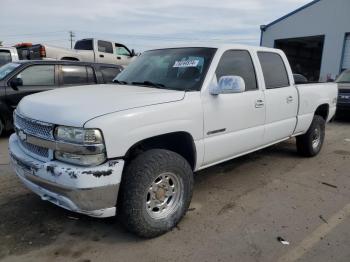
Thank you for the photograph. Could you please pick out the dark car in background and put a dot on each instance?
(22, 78)
(343, 82)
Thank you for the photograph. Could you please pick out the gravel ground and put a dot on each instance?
(238, 211)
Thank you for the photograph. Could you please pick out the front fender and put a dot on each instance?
(122, 130)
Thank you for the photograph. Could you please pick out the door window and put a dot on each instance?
(109, 73)
(76, 75)
(238, 63)
(121, 50)
(5, 57)
(274, 70)
(38, 75)
(105, 47)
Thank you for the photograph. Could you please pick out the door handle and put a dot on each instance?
(289, 99)
(118, 57)
(259, 103)
(102, 56)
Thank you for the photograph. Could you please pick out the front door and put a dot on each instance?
(124, 56)
(34, 78)
(233, 123)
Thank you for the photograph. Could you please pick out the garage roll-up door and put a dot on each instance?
(346, 55)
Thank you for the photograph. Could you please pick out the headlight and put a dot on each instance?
(78, 135)
(81, 160)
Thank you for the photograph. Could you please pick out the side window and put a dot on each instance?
(38, 75)
(109, 73)
(5, 57)
(238, 63)
(105, 47)
(274, 70)
(76, 75)
(121, 50)
(84, 45)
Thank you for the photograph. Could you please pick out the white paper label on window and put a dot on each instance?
(186, 63)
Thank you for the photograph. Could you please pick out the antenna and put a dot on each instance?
(71, 38)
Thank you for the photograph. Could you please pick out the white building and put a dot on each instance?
(315, 37)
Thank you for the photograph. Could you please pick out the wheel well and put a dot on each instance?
(70, 58)
(323, 111)
(179, 142)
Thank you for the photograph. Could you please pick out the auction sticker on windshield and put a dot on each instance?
(186, 63)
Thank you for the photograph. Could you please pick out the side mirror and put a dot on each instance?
(132, 52)
(228, 85)
(15, 83)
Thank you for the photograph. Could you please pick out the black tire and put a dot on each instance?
(139, 178)
(306, 144)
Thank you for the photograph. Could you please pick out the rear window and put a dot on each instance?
(274, 70)
(83, 45)
(109, 73)
(5, 57)
(77, 75)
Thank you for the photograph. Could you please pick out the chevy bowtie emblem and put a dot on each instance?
(22, 135)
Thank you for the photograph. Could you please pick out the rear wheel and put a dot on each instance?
(155, 193)
(310, 144)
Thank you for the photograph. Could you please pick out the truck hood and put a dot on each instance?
(73, 106)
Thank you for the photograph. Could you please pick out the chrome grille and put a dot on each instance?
(33, 127)
(36, 150)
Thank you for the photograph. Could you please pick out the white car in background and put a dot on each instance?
(7, 55)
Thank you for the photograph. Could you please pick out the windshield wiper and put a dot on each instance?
(116, 81)
(149, 83)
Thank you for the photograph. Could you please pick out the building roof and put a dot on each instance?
(264, 27)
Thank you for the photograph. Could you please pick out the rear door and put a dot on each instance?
(105, 52)
(35, 78)
(281, 98)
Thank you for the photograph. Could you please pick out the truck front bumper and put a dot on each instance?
(88, 190)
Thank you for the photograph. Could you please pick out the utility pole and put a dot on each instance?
(71, 38)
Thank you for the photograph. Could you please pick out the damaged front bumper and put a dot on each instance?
(88, 190)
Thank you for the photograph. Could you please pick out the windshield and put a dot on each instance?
(7, 69)
(344, 77)
(176, 69)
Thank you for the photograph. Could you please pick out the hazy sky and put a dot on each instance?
(139, 24)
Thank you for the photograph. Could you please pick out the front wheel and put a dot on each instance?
(155, 194)
(310, 144)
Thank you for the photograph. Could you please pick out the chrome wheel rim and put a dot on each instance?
(163, 196)
(316, 138)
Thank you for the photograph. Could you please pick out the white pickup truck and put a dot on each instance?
(85, 50)
(131, 148)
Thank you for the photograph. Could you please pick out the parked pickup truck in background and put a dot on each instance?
(132, 148)
(85, 50)
(343, 82)
(27, 77)
(7, 55)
